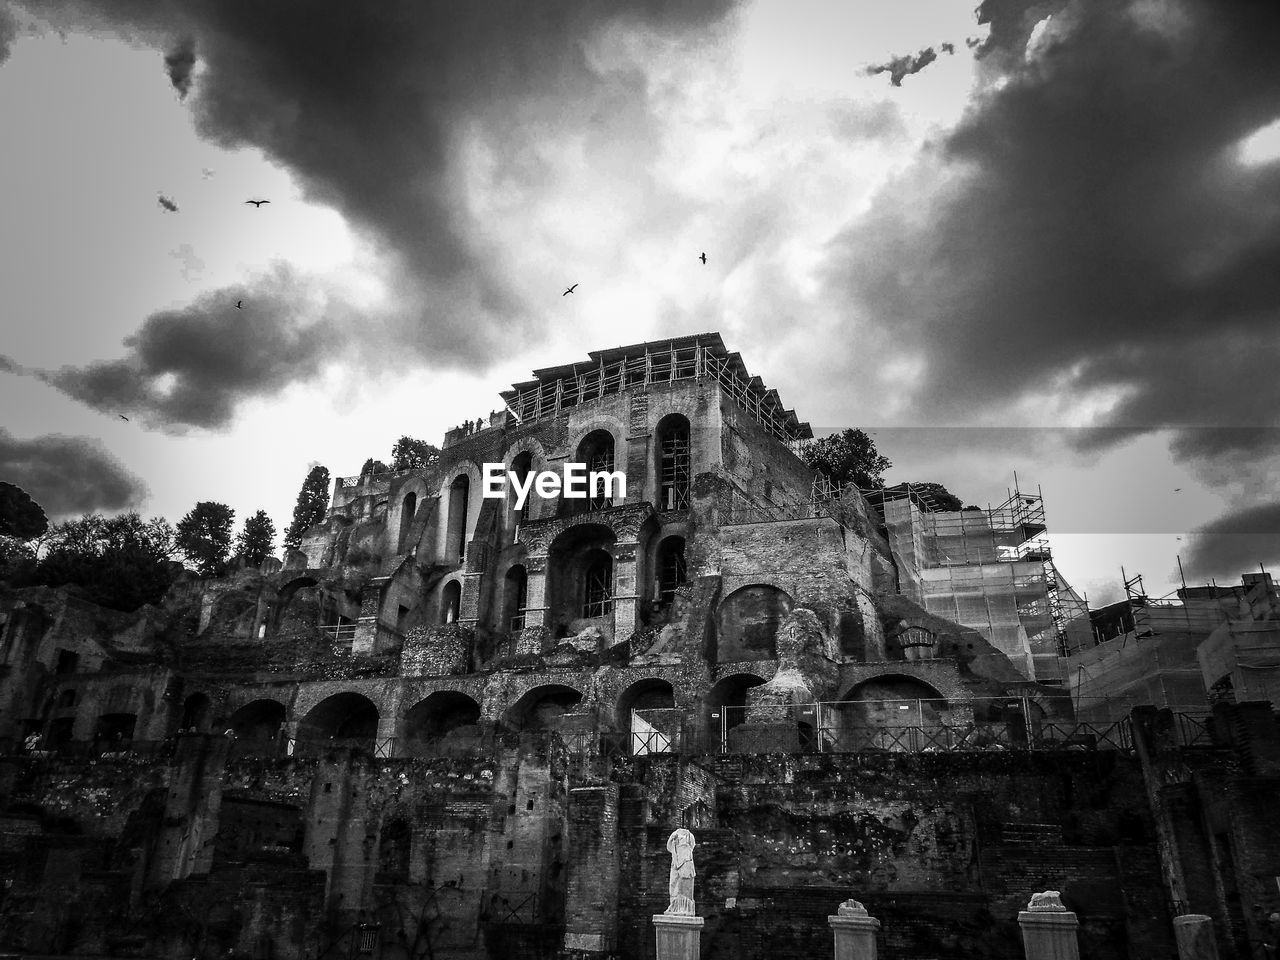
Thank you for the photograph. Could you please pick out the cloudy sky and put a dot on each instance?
(1038, 237)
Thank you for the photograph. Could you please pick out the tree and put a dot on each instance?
(411, 454)
(119, 562)
(936, 497)
(372, 467)
(204, 536)
(847, 457)
(312, 505)
(20, 516)
(257, 540)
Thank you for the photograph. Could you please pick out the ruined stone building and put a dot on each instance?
(449, 727)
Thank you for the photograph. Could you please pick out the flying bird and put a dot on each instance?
(123, 417)
(703, 258)
(167, 204)
(238, 304)
(1177, 489)
(257, 203)
(570, 290)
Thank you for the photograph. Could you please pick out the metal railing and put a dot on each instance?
(547, 399)
(939, 726)
(659, 730)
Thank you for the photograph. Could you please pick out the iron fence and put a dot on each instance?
(928, 726)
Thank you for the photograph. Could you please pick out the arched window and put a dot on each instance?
(597, 584)
(596, 451)
(673, 463)
(455, 542)
(515, 598)
(520, 466)
(450, 602)
(407, 510)
(670, 568)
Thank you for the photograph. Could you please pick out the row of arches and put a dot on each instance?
(597, 450)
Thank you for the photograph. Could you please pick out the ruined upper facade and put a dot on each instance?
(469, 727)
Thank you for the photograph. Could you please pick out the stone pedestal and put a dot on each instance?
(855, 932)
(1049, 929)
(1194, 934)
(679, 937)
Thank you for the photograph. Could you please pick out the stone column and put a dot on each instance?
(366, 634)
(679, 937)
(1194, 933)
(626, 597)
(535, 606)
(1049, 928)
(855, 932)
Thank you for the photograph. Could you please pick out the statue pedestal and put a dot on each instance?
(1049, 929)
(679, 937)
(855, 937)
(1194, 935)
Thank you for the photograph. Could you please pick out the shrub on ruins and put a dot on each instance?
(204, 537)
(934, 496)
(120, 562)
(20, 516)
(313, 503)
(257, 540)
(411, 454)
(372, 468)
(847, 457)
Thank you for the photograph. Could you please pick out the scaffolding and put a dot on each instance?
(991, 569)
(701, 357)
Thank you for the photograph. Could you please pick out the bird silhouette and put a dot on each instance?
(123, 417)
(239, 304)
(168, 205)
(570, 290)
(1177, 489)
(257, 203)
(703, 258)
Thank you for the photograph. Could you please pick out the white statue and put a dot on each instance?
(680, 886)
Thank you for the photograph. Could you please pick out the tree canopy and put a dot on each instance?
(411, 454)
(313, 503)
(256, 541)
(204, 536)
(20, 516)
(119, 562)
(847, 457)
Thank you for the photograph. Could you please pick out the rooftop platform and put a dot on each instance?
(640, 365)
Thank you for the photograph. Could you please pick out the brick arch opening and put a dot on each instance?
(259, 720)
(580, 580)
(543, 707)
(724, 707)
(647, 711)
(343, 720)
(893, 712)
(673, 468)
(432, 719)
(747, 623)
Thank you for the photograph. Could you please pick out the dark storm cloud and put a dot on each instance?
(8, 30)
(190, 367)
(178, 64)
(1088, 230)
(905, 65)
(364, 104)
(1235, 542)
(68, 475)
